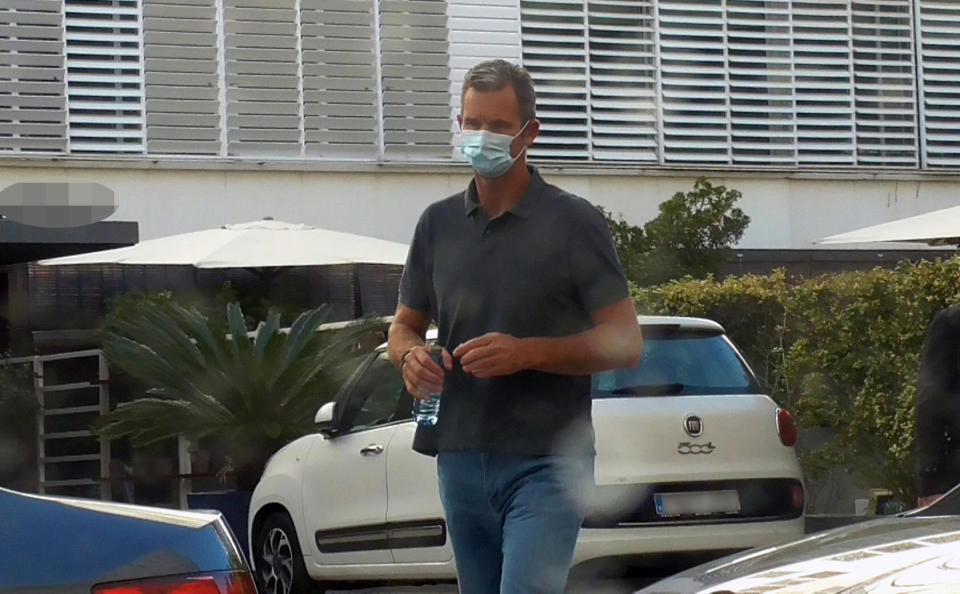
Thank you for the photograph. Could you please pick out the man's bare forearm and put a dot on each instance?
(400, 339)
(408, 330)
(604, 347)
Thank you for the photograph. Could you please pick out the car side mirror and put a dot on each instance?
(324, 419)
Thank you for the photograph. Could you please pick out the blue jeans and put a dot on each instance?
(513, 520)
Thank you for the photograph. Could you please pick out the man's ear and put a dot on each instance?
(532, 131)
(460, 121)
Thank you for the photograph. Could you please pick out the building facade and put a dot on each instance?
(828, 115)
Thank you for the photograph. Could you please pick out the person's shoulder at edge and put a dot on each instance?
(945, 324)
(951, 314)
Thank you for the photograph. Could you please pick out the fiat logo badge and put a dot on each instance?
(693, 425)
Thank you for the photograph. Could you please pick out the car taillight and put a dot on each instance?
(786, 428)
(797, 497)
(234, 582)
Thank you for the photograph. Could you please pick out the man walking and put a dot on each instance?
(529, 298)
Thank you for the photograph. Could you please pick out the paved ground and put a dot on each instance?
(598, 586)
(581, 582)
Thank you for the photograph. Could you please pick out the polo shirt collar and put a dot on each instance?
(523, 208)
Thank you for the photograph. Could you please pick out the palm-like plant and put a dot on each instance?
(17, 438)
(252, 395)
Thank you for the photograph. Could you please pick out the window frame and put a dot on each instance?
(351, 406)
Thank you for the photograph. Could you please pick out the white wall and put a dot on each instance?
(788, 210)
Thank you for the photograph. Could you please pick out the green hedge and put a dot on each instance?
(840, 351)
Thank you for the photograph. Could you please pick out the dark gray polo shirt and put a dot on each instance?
(538, 270)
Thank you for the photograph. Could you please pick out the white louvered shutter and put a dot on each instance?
(262, 77)
(479, 30)
(554, 51)
(32, 102)
(104, 76)
(182, 77)
(940, 60)
(695, 98)
(885, 83)
(340, 79)
(823, 82)
(760, 66)
(414, 55)
(623, 88)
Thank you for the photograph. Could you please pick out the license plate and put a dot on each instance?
(697, 503)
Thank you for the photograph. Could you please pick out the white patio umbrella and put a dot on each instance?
(259, 244)
(940, 227)
(264, 247)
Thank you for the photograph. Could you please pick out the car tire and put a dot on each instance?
(279, 561)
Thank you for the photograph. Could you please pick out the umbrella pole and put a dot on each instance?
(267, 276)
(357, 299)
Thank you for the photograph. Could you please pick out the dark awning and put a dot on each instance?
(24, 243)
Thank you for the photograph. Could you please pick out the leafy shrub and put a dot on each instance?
(691, 236)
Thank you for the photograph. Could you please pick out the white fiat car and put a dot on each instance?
(691, 457)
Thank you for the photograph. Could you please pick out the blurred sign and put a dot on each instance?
(57, 204)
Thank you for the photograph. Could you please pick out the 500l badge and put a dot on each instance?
(687, 448)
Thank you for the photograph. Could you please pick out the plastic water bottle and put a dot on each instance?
(426, 412)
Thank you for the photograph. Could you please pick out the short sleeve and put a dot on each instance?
(597, 274)
(415, 280)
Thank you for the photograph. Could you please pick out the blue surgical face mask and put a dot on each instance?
(489, 153)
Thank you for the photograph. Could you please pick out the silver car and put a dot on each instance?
(916, 551)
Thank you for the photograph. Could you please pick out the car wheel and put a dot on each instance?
(279, 562)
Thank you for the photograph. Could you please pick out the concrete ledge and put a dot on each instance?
(451, 166)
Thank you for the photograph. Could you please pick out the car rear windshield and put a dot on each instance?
(679, 362)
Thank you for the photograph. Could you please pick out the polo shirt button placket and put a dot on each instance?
(486, 241)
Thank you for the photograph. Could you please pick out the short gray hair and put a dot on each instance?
(493, 75)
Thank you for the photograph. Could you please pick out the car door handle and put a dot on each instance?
(374, 449)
